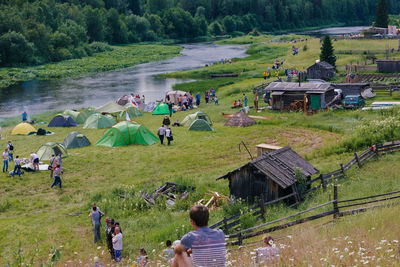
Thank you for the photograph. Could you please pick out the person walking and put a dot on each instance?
(117, 244)
(170, 108)
(161, 133)
(35, 161)
(17, 166)
(57, 177)
(168, 135)
(10, 151)
(5, 160)
(166, 121)
(198, 99)
(53, 165)
(96, 216)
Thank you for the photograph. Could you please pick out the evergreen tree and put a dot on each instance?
(327, 51)
(382, 14)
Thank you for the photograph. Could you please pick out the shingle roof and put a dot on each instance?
(241, 120)
(286, 86)
(279, 166)
(325, 65)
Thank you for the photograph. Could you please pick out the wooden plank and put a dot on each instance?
(282, 219)
(355, 211)
(369, 202)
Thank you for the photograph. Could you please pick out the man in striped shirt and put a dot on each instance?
(206, 245)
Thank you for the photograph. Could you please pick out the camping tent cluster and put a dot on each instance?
(127, 133)
(62, 121)
(23, 129)
(198, 121)
(48, 149)
(161, 109)
(98, 121)
(75, 140)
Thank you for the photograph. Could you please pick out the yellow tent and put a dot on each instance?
(23, 129)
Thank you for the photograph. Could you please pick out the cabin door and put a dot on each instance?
(260, 188)
(315, 102)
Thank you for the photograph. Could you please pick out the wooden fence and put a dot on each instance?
(365, 52)
(356, 68)
(384, 89)
(231, 224)
(338, 208)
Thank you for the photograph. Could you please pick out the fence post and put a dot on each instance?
(226, 225)
(341, 167)
(358, 160)
(323, 182)
(240, 238)
(335, 204)
(262, 206)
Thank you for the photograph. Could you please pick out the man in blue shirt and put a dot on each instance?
(198, 99)
(206, 245)
(24, 116)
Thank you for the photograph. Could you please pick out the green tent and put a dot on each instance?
(98, 121)
(189, 119)
(132, 112)
(79, 117)
(111, 107)
(127, 133)
(75, 140)
(161, 109)
(46, 150)
(200, 125)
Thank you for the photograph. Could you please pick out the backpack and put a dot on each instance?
(11, 147)
(41, 132)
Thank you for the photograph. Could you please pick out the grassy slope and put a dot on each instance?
(121, 57)
(38, 213)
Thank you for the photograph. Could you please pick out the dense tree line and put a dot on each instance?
(34, 32)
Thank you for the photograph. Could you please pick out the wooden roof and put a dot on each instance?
(279, 166)
(323, 64)
(304, 87)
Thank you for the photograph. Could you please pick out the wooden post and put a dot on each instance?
(335, 204)
(358, 160)
(226, 226)
(341, 166)
(296, 196)
(240, 238)
(262, 206)
(323, 182)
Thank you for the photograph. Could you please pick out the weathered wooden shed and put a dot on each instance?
(284, 94)
(270, 176)
(321, 70)
(388, 65)
(351, 88)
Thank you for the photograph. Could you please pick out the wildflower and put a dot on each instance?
(378, 248)
(349, 242)
(154, 250)
(389, 250)
(76, 253)
(99, 247)
(351, 253)
(396, 241)
(291, 259)
(346, 250)
(252, 253)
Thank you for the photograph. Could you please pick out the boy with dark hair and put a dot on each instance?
(168, 253)
(206, 245)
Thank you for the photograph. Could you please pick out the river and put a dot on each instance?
(97, 89)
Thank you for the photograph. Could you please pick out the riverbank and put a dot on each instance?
(120, 57)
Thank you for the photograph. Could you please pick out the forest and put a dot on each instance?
(39, 31)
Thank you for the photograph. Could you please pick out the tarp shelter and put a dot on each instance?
(98, 121)
(110, 107)
(132, 112)
(173, 96)
(149, 107)
(62, 121)
(75, 140)
(240, 120)
(46, 150)
(127, 133)
(189, 119)
(200, 125)
(161, 109)
(23, 129)
(123, 100)
(78, 116)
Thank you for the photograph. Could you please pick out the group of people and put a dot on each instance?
(165, 131)
(8, 156)
(239, 104)
(210, 96)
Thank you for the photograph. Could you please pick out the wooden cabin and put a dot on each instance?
(388, 65)
(321, 70)
(270, 176)
(351, 88)
(284, 94)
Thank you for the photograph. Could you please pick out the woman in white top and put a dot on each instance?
(168, 134)
(5, 160)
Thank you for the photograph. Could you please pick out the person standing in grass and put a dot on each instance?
(170, 108)
(17, 166)
(256, 101)
(60, 160)
(168, 253)
(206, 245)
(216, 100)
(35, 161)
(143, 259)
(166, 121)
(198, 99)
(24, 116)
(207, 96)
(96, 216)
(5, 160)
(117, 244)
(109, 234)
(10, 151)
(268, 255)
(168, 135)
(53, 165)
(57, 177)
(161, 133)
(245, 100)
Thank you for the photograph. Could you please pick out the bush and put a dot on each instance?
(98, 47)
(305, 48)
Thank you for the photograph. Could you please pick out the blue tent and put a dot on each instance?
(62, 121)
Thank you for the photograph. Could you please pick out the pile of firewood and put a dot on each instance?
(215, 201)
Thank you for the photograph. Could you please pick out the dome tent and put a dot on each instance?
(98, 121)
(126, 133)
(200, 125)
(46, 150)
(23, 129)
(111, 107)
(75, 140)
(123, 100)
(132, 112)
(240, 120)
(62, 121)
(189, 119)
(161, 109)
(78, 116)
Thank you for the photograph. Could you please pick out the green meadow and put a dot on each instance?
(41, 220)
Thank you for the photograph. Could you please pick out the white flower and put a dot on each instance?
(76, 253)
(378, 248)
(389, 250)
(99, 247)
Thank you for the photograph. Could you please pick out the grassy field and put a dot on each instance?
(120, 57)
(35, 217)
